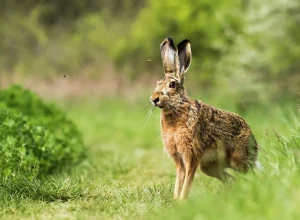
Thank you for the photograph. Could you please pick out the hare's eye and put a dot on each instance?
(172, 84)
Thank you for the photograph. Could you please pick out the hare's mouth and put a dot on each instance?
(158, 104)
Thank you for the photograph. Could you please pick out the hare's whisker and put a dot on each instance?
(148, 116)
(178, 111)
(146, 105)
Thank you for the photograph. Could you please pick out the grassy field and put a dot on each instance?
(128, 176)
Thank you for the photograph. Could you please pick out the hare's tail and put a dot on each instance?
(258, 165)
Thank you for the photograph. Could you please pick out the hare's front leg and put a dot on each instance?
(180, 173)
(190, 164)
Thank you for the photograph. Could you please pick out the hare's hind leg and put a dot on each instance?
(180, 173)
(213, 162)
(214, 169)
(190, 165)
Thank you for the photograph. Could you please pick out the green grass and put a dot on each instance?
(128, 176)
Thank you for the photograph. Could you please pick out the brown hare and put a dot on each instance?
(194, 133)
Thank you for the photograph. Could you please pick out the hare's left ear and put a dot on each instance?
(168, 56)
(185, 56)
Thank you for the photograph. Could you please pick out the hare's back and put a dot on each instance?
(220, 122)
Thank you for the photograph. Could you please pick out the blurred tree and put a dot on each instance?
(67, 11)
(211, 26)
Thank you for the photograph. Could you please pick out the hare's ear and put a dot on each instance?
(168, 55)
(185, 56)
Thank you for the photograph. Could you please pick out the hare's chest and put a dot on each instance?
(168, 138)
(174, 139)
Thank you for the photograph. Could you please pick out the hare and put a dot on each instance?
(194, 133)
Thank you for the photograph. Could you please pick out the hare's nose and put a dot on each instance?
(155, 101)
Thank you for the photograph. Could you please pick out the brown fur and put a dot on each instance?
(194, 133)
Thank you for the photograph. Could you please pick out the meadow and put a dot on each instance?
(126, 174)
(99, 155)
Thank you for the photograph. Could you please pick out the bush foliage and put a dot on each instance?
(35, 138)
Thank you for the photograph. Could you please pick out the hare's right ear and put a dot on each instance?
(168, 55)
(185, 56)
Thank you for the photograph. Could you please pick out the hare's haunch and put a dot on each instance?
(194, 133)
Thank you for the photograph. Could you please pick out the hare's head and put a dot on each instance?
(169, 91)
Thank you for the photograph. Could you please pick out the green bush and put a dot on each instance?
(35, 138)
(16, 146)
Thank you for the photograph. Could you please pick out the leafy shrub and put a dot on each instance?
(35, 137)
(16, 146)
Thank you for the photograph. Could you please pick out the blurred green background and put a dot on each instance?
(249, 47)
